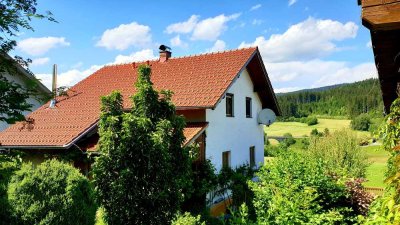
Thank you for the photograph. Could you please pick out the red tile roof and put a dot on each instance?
(197, 81)
(192, 130)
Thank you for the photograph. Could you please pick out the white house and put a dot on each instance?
(23, 78)
(220, 95)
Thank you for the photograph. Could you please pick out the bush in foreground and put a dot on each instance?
(187, 219)
(341, 152)
(51, 193)
(296, 190)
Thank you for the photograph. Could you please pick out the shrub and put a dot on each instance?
(296, 190)
(361, 122)
(51, 193)
(316, 133)
(288, 140)
(341, 153)
(187, 219)
(312, 121)
(274, 150)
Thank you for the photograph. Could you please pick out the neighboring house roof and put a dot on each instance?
(26, 74)
(197, 82)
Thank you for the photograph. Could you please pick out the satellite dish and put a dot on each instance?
(266, 117)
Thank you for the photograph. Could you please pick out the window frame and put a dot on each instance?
(226, 159)
(252, 156)
(232, 100)
(250, 113)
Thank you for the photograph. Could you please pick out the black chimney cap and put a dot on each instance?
(164, 48)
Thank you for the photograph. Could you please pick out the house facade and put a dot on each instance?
(24, 78)
(219, 94)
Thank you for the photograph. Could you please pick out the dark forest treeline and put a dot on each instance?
(344, 100)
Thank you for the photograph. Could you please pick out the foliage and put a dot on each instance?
(362, 122)
(296, 190)
(204, 180)
(344, 100)
(288, 140)
(187, 219)
(100, 217)
(385, 210)
(359, 199)
(316, 133)
(14, 16)
(274, 150)
(51, 193)
(312, 120)
(236, 180)
(143, 168)
(8, 165)
(341, 153)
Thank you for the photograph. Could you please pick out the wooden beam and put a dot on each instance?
(369, 3)
(381, 14)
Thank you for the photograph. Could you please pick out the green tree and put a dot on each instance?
(14, 16)
(8, 165)
(361, 122)
(143, 168)
(51, 193)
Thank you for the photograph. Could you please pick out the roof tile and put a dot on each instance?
(197, 81)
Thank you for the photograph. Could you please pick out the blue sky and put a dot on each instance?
(304, 43)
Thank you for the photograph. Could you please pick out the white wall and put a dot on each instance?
(236, 134)
(36, 104)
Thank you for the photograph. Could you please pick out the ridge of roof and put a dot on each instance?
(156, 60)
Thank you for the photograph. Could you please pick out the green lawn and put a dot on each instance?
(376, 171)
(301, 129)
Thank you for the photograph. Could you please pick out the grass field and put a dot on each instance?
(301, 129)
(376, 171)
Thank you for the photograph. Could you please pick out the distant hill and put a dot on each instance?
(349, 100)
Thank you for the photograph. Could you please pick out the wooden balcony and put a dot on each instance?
(380, 14)
(382, 18)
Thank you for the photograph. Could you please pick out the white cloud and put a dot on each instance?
(125, 36)
(183, 27)
(177, 42)
(39, 46)
(219, 45)
(292, 2)
(211, 28)
(369, 44)
(207, 30)
(40, 61)
(255, 7)
(257, 22)
(307, 40)
(146, 54)
(318, 73)
(68, 78)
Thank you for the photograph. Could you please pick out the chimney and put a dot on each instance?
(165, 53)
(54, 87)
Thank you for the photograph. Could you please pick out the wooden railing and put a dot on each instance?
(374, 190)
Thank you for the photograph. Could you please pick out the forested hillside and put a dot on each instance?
(343, 100)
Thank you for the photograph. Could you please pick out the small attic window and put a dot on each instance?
(229, 105)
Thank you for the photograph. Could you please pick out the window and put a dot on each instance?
(248, 107)
(229, 105)
(226, 159)
(252, 156)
